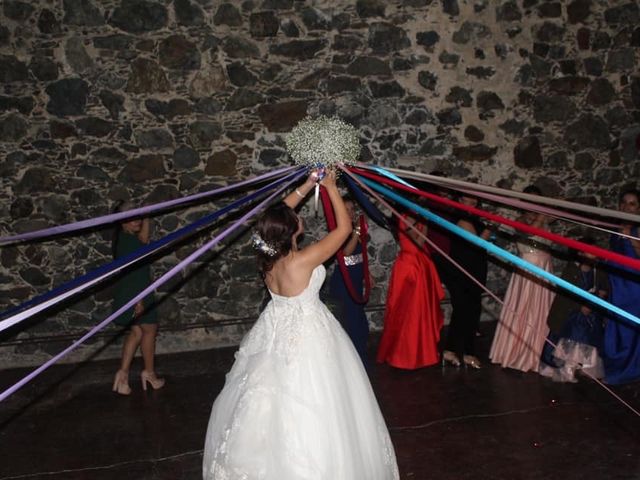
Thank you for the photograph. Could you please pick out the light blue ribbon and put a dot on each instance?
(392, 176)
(499, 252)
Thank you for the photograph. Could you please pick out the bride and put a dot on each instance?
(297, 403)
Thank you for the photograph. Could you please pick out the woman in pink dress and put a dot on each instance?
(522, 328)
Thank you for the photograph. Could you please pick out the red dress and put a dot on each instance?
(413, 317)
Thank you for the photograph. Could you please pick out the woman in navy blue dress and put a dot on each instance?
(622, 337)
(575, 327)
(349, 312)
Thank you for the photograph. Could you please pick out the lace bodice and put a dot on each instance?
(285, 319)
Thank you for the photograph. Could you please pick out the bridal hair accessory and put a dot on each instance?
(323, 142)
(260, 244)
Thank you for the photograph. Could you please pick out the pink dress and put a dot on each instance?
(522, 328)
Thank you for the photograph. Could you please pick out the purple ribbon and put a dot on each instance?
(160, 281)
(136, 212)
(44, 301)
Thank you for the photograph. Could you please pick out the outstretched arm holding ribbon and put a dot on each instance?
(294, 198)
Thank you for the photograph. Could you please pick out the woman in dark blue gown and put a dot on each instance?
(349, 312)
(622, 337)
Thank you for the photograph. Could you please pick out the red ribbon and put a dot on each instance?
(575, 244)
(331, 225)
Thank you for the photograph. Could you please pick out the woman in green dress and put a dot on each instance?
(141, 318)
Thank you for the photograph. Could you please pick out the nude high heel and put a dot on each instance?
(150, 378)
(451, 358)
(472, 362)
(121, 383)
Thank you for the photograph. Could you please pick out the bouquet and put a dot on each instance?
(322, 142)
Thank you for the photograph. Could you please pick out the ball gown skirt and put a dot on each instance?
(522, 328)
(577, 348)
(413, 316)
(297, 403)
(621, 350)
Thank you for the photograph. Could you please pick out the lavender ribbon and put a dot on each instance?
(552, 212)
(160, 281)
(136, 212)
(499, 252)
(477, 187)
(83, 282)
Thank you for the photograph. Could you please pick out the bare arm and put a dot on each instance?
(415, 235)
(467, 225)
(294, 198)
(350, 246)
(324, 249)
(144, 235)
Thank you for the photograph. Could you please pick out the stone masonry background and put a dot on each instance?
(151, 100)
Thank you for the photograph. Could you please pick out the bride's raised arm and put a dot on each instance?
(324, 249)
(294, 198)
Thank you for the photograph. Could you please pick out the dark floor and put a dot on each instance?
(445, 424)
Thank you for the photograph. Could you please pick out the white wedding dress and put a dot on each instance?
(297, 403)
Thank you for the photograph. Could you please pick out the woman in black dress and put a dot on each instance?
(465, 294)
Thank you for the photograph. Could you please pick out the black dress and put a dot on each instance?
(465, 294)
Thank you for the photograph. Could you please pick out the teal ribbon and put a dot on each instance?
(499, 252)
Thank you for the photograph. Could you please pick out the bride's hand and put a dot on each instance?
(329, 179)
(312, 179)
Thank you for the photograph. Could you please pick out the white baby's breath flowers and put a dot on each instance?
(323, 142)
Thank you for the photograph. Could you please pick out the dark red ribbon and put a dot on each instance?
(331, 225)
(575, 244)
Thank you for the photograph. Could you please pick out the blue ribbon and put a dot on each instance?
(392, 176)
(146, 291)
(499, 252)
(371, 210)
(145, 250)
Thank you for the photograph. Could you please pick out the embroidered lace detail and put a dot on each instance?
(388, 454)
(296, 392)
(219, 472)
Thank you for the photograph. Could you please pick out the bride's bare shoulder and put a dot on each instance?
(288, 277)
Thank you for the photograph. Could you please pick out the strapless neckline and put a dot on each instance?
(314, 274)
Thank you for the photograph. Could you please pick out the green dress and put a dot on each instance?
(132, 283)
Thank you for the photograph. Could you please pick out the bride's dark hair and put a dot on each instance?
(276, 227)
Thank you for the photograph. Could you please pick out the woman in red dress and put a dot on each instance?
(413, 317)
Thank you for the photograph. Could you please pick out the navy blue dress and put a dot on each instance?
(351, 314)
(622, 337)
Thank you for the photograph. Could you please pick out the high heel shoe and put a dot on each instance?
(121, 383)
(151, 379)
(472, 362)
(451, 358)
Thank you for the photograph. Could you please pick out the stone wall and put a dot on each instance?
(104, 100)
